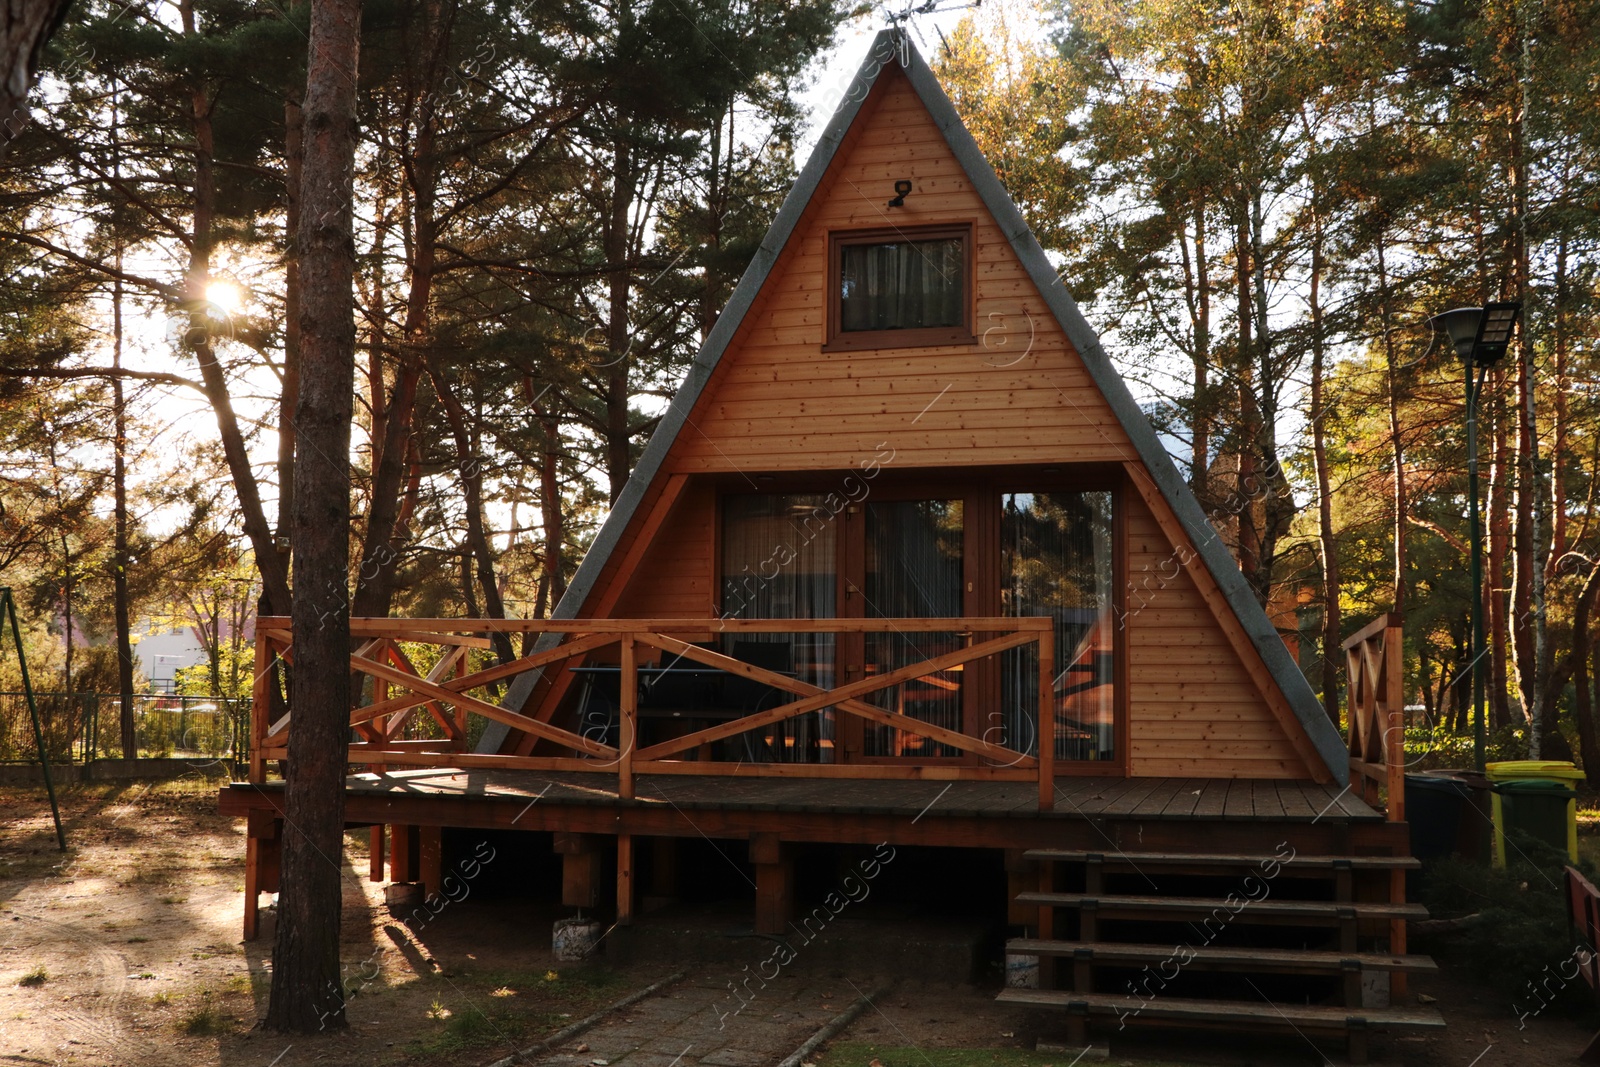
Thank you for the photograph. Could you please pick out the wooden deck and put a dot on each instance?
(1076, 798)
(1111, 815)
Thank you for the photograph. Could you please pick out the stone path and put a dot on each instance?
(701, 1021)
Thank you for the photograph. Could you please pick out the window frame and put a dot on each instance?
(837, 340)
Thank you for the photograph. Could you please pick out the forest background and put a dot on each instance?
(1257, 205)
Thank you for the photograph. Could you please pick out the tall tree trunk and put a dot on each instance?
(1201, 461)
(1583, 704)
(381, 547)
(470, 468)
(306, 994)
(619, 432)
(552, 583)
(1558, 453)
(121, 610)
(119, 532)
(1396, 444)
(293, 157)
(25, 28)
(1495, 598)
(1332, 635)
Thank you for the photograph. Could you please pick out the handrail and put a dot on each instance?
(400, 692)
(1375, 704)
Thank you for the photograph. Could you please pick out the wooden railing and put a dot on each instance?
(1375, 703)
(401, 694)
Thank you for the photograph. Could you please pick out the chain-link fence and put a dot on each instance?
(79, 727)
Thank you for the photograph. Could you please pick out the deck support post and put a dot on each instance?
(624, 879)
(627, 726)
(774, 863)
(403, 842)
(430, 859)
(375, 854)
(580, 869)
(263, 839)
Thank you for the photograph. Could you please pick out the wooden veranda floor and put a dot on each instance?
(1089, 812)
(1076, 798)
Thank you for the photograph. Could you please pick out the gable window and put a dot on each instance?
(900, 288)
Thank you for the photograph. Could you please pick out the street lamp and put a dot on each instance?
(1481, 336)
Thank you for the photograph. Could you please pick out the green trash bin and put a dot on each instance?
(1544, 810)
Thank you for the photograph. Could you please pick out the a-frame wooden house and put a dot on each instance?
(904, 562)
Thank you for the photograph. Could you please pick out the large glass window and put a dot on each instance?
(913, 571)
(1056, 560)
(780, 561)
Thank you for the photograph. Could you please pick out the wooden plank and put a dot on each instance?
(1292, 796)
(1300, 961)
(1152, 907)
(1185, 799)
(1174, 858)
(1264, 795)
(1156, 801)
(564, 738)
(843, 697)
(1241, 799)
(1133, 796)
(1213, 799)
(1317, 1018)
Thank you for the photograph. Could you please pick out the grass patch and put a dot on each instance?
(472, 1028)
(34, 978)
(205, 1021)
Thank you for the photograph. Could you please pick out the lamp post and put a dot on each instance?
(1481, 336)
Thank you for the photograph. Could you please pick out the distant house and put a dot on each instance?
(162, 654)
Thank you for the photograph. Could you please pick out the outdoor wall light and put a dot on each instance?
(1481, 335)
(902, 189)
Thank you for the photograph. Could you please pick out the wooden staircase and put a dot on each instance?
(1280, 942)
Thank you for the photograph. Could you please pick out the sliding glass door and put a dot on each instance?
(1056, 560)
(913, 569)
(981, 550)
(780, 561)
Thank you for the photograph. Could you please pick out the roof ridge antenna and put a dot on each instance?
(897, 20)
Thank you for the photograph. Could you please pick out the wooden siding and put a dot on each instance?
(674, 579)
(1194, 709)
(779, 403)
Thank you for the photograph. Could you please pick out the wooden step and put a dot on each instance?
(1315, 1018)
(1117, 906)
(1300, 961)
(1137, 860)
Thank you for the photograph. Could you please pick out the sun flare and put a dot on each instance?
(225, 298)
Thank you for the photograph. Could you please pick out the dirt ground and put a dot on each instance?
(126, 949)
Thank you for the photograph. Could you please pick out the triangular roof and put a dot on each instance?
(892, 48)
